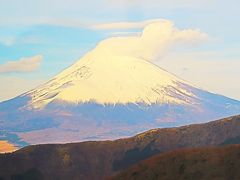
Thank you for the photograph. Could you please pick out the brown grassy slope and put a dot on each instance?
(95, 160)
(220, 163)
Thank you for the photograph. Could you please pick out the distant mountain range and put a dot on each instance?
(104, 96)
(102, 159)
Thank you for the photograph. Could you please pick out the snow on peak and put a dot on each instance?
(110, 79)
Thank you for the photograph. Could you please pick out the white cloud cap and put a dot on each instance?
(156, 39)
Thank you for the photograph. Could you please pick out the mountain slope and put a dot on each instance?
(95, 160)
(104, 96)
(197, 163)
(113, 80)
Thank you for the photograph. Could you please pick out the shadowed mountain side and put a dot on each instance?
(197, 163)
(96, 160)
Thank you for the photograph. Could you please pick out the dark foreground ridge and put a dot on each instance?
(97, 160)
(187, 164)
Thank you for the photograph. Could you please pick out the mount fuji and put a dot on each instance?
(107, 96)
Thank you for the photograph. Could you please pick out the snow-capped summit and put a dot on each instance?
(111, 79)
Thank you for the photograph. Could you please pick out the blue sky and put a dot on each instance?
(63, 31)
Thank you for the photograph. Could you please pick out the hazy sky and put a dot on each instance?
(39, 38)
